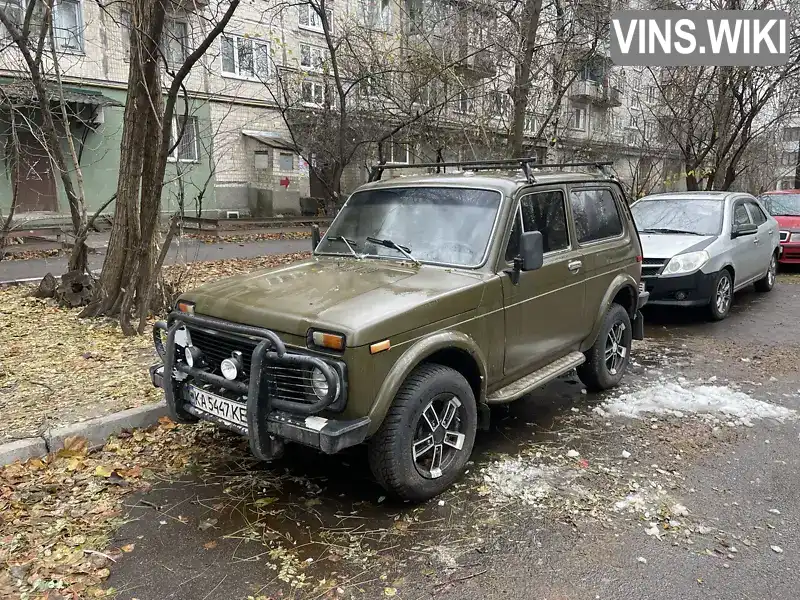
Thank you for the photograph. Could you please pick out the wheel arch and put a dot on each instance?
(624, 291)
(449, 348)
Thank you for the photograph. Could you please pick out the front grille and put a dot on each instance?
(287, 382)
(652, 266)
(784, 236)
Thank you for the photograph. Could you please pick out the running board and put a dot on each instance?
(536, 379)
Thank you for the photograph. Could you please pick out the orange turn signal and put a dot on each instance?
(185, 307)
(379, 347)
(328, 340)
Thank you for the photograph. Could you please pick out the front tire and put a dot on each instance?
(607, 360)
(426, 439)
(722, 299)
(766, 283)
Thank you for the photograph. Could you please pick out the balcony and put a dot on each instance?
(593, 92)
(477, 63)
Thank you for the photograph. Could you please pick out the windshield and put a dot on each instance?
(433, 224)
(673, 215)
(782, 205)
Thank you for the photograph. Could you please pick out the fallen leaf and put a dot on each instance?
(128, 547)
(207, 524)
(103, 471)
(166, 423)
(210, 545)
(389, 591)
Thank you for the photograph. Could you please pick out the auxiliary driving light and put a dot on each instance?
(193, 356)
(231, 367)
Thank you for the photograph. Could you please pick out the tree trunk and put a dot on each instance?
(522, 77)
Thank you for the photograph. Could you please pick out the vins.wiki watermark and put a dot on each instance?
(700, 37)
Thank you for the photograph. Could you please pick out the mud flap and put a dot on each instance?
(638, 326)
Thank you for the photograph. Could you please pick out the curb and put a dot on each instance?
(26, 280)
(96, 431)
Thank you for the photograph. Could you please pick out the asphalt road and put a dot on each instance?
(189, 250)
(200, 537)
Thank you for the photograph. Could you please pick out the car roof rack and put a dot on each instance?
(527, 164)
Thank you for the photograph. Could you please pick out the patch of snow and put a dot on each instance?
(777, 549)
(573, 454)
(523, 479)
(707, 401)
(626, 454)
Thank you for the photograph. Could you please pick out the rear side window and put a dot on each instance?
(596, 215)
(740, 216)
(545, 212)
(756, 213)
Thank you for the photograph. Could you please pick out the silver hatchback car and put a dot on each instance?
(701, 247)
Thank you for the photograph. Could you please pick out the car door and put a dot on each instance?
(745, 256)
(766, 234)
(604, 237)
(544, 310)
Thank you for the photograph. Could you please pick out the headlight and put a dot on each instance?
(686, 263)
(795, 236)
(231, 367)
(319, 384)
(193, 356)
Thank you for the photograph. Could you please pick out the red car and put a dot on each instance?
(784, 205)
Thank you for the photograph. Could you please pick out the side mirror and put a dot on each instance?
(744, 229)
(531, 254)
(315, 237)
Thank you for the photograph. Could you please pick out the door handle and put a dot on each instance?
(755, 241)
(574, 265)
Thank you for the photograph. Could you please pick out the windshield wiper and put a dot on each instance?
(347, 242)
(665, 230)
(405, 251)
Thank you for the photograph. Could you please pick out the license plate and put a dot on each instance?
(227, 410)
(641, 287)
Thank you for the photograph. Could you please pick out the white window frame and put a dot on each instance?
(282, 153)
(310, 17)
(314, 86)
(173, 157)
(574, 112)
(393, 159)
(169, 29)
(376, 14)
(80, 24)
(254, 42)
(464, 99)
(312, 50)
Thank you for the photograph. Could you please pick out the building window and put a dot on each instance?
(176, 43)
(245, 57)
(791, 134)
(312, 58)
(499, 106)
(531, 123)
(14, 12)
(465, 103)
(313, 93)
(186, 150)
(652, 93)
(286, 161)
(376, 14)
(68, 25)
(578, 118)
(125, 26)
(398, 152)
(310, 18)
(789, 159)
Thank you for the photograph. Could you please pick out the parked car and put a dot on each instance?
(428, 299)
(784, 206)
(701, 247)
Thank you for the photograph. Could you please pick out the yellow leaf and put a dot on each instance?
(103, 471)
(389, 591)
(128, 547)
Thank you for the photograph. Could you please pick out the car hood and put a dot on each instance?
(667, 245)
(367, 300)
(788, 223)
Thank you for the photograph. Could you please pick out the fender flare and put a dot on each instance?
(622, 280)
(412, 357)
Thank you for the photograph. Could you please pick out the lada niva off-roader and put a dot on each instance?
(428, 299)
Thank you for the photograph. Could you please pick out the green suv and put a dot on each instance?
(429, 299)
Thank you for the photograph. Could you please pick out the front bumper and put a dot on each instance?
(270, 420)
(790, 253)
(695, 289)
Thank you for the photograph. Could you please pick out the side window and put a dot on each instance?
(756, 213)
(596, 214)
(545, 212)
(740, 216)
(512, 250)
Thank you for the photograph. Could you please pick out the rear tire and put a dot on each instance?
(607, 360)
(721, 301)
(766, 283)
(426, 439)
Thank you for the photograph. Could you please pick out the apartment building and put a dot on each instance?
(244, 147)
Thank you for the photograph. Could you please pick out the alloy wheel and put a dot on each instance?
(438, 438)
(723, 299)
(615, 352)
